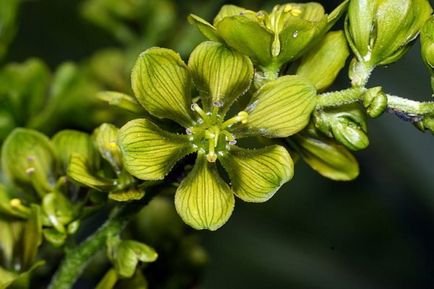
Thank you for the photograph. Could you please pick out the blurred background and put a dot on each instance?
(374, 232)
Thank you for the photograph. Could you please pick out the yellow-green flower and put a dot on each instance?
(274, 38)
(162, 84)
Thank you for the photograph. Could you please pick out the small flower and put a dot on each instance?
(162, 84)
(274, 38)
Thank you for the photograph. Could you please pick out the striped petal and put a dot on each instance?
(162, 84)
(256, 175)
(148, 152)
(280, 108)
(204, 200)
(220, 74)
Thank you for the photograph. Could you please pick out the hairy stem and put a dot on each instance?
(76, 259)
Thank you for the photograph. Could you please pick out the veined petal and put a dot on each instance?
(247, 36)
(204, 200)
(162, 84)
(257, 174)
(280, 108)
(219, 73)
(204, 27)
(148, 152)
(230, 10)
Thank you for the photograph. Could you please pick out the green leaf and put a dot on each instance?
(326, 156)
(247, 36)
(80, 172)
(220, 74)
(106, 137)
(127, 255)
(203, 199)
(204, 27)
(28, 159)
(257, 174)
(162, 84)
(280, 108)
(126, 195)
(323, 62)
(73, 142)
(108, 281)
(121, 100)
(148, 152)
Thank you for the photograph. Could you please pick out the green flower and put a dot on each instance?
(270, 39)
(162, 84)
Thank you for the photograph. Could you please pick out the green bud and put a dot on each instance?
(59, 211)
(105, 137)
(427, 46)
(28, 160)
(379, 32)
(322, 63)
(54, 237)
(346, 124)
(375, 101)
(325, 155)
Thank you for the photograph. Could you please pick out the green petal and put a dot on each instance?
(106, 137)
(108, 281)
(204, 200)
(28, 159)
(280, 108)
(121, 100)
(327, 157)
(126, 195)
(128, 253)
(220, 74)
(78, 170)
(256, 175)
(162, 84)
(148, 152)
(322, 64)
(337, 14)
(69, 142)
(204, 27)
(246, 35)
(230, 10)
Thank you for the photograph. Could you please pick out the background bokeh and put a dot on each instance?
(374, 232)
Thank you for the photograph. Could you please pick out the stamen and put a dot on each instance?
(195, 107)
(242, 117)
(211, 156)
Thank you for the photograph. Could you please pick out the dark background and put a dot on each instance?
(374, 232)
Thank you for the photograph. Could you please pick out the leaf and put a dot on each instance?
(203, 199)
(79, 171)
(326, 156)
(204, 27)
(148, 152)
(280, 108)
(69, 142)
(247, 36)
(257, 174)
(323, 62)
(28, 159)
(220, 74)
(162, 84)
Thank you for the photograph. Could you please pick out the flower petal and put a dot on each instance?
(148, 152)
(280, 108)
(204, 27)
(257, 174)
(219, 73)
(230, 10)
(326, 156)
(246, 35)
(162, 84)
(204, 200)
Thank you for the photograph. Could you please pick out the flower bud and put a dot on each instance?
(346, 124)
(375, 101)
(427, 46)
(379, 32)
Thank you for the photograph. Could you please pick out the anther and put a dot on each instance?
(218, 103)
(30, 170)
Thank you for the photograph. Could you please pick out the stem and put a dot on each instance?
(339, 98)
(76, 259)
(409, 107)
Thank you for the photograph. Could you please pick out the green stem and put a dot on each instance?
(409, 107)
(76, 259)
(339, 98)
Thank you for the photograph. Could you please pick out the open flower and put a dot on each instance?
(273, 38)
(162, 84)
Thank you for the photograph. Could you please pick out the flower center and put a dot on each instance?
(211, 134)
